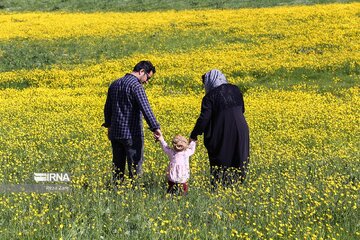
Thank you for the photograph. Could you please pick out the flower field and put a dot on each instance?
(299, 70)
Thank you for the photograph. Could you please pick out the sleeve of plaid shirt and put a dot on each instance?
(107, 111)
(145, 108)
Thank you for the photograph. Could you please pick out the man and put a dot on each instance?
(125, 105)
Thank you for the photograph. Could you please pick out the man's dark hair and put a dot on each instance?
(146, 65)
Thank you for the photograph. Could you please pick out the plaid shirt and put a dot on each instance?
(125, 105)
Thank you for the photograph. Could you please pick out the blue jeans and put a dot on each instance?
(130, 150)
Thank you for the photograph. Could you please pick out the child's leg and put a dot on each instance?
(185, 188)
(171, 186)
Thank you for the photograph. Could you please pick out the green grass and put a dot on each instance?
(322, 80)
(313, 191)
(145, 5)
(86, 51)
(42, 54)
(134, 214)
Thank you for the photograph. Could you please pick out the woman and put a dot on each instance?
(226, 133)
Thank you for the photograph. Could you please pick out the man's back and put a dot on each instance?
(124, 106)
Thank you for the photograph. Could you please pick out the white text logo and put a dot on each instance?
(51, 177)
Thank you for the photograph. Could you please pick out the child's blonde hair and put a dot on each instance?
(180, 143)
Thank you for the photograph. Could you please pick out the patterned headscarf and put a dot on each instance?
(213, 79)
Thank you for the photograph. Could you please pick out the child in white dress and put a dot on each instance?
(178, 171)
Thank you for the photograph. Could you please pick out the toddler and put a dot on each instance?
(178, 171)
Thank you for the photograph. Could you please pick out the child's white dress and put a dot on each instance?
(178, 170)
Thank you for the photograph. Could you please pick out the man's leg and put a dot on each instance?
(135, 154)
(119, 160)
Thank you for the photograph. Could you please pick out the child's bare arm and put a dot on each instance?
(165, 146)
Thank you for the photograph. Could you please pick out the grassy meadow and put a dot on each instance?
(297, 65)
(147, 5)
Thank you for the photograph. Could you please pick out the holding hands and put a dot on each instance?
(158, 135)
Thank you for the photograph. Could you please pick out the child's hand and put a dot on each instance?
(157, 135)
(161, 138)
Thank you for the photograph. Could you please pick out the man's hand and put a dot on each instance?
(157, 135)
